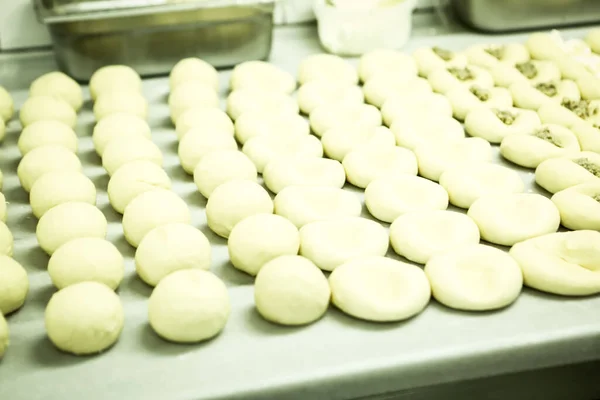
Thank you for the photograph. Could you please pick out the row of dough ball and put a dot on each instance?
(14, 286)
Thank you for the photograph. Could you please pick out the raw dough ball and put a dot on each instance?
(386, 62)
(330, 243)
(7, 107)
(383, 87)
(413, 132)
(121, 151)
(222, 166)
(327, 67)
(420, 235)
(118, 101)
(488, 56)
(588, 136)
(59, 85)
(579, 206)
(2, 129)
(379, 289)
(253, 100)
(593, 40)
(406, 107)
(303, 171)
(189, 306)
(532, 97)
(47, 132)
(6, 240)
(251, 125)
(366, 164)
(532, 72)
(260, 238)
(118, 126)
(305, 204)
(389, 197)
(506, 219)
(545, 46)
(58, 187)
(86, 259)
(434, 58)
(3, 204)
(291, 290)
(191, 95)
(496, 124)
(1, 179)
(84, 318)
(197, 143)
(314, 94)
(114, 77)
(570, 112)
(341, 140)
(547, 141)
(561, 263)
(41, 108)
(169, 248)
(556, 174)
(194, 69)
(589, 86)
(466, 99)
(4, 334)
(68, 221)
(232, 202)
(468, 182)
(264, 149)
(333, 115)
(207, 119)
(44, 159)
(150, 210)
(436, 157)
(14, 285)
(445, 79)
(474, 278)
(261, 75)
(132, 179)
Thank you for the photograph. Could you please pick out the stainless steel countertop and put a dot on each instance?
(337, 358)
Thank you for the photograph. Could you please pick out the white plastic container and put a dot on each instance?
(354, 30)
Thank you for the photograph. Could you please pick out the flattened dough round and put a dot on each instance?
(197, 143)
(57, 187)
(429, 59)
(466, 99)
(488, 56)
(326, 67)
(191, 95)
(253, 100)
(381, 88)
(332, 115)
(251, 125)
(579, 206)
(366, 164)
(341, 140)
(386, 62)
(222, 166)
(121, 151)
(14, 285)
(407, 107)
(206, 119)
(443, 80)
(534, 72)
(59, 85)
(194, 69)
(556, 174)
(45, 159)
(47, 132)
(264, 149)
(41, 108)
(495, 124)
(114, 77)
(118, 101)
(314, 94)
(303, 171)
(410, 133)
(261, 75)
(534, 96)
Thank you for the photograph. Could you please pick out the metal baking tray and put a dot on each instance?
(152, 35)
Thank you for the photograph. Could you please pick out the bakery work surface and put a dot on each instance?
(336, 358)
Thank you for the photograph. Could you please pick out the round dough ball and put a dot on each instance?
(474, 278)
(121, 151)
(333, 115)
(579, 206)
(532, 72)
(330, 243)
(444, 80)
(207, 119)
(467, 99)
(327, 67)
(261, 75)
(44, 159)
(7, 106)
(264, 149)
(252, 100)
(588, 136)
(222, 166)
(422, 234)
(589, 86)
(6, 240)
(114, 77)
(381, 88)
(47, 132)
(291, 290)
(341, 140)
(316, 93)
(59, 85)
(3, 207)
(302, 205)
(68, 221)
(118, 125)
(58, 187)
(506, 219)
(132, 179)
(533, 97)
(303, 171)
(593, 40)
(84, 318)
(467, 183)
(379, 289)
(1, 179)
(194, 69)
(251, 125)
(556, 174)
(189, 306)
(150, 210)
(407, 107)
(192, 94)
(260, 238)
(437, 157)
(169, 248)
(41, 108)
(413, 132)
(224, 209)
(2, 129)
(496, 124)
(386, 62)
(14, 285)
(198, 142)
(389, 197)
(429, 59)
(366, 164)
(4, 334)
(488, 56)
(86, 259)
(120, 101)
(545, 46)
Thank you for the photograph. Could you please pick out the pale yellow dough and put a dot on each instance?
(47, 132)
(206, 119)
(334, 115)
(250, 125)
(14, 285)
(495, 124)
(191, 95)
(118, 126)
(261, 75)
(411, 133)
(341, 140)
(58, 187)
(45, 159)
(466, 99)
(118, 101)
(428, 59)
(253, 100)
(386, 62)
(319, 92)
(198, 142)
(41, 108)
(406, 107)
(194, 70)
(380, 88)
(488, 56)
(326, 67)
(114, 77)
(222, 166)
(443, 80)
(303, 171)
(60, 85)
(262, 150)
(579, 206)
(556, 174)
(124, 150)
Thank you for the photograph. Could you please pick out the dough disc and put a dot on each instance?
(366, 164)
(197, 143)
(57, 187)
(251, 125)
(314, 94)
(252, 100)
(222, 166)
(45, 159)
(383, 87)
(386, 62)
(444, 80)
(303, 171)
(533, 72)
(125, 150)
(341, 140)
(118, 101)
(556, 174)
(496, 124)
(411, 133)
(429, 59)
(118, 126)
(262, 150)
(191, 95)
(333, 115)
(326, 67)
(488, 56)
(467, 99)
(47, 132)
(533, 97)
(205, 119)
(408, 107)
(14, 285)
(579, 206)
(263, 76)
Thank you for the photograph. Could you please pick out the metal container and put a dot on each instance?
(153, 35)
(512, 15)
